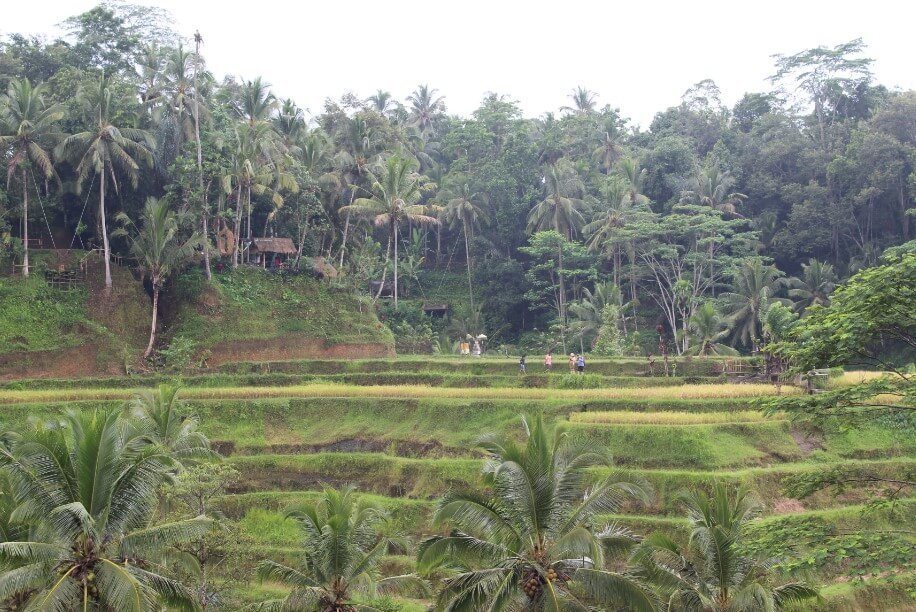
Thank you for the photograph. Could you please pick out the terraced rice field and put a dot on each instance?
(403, 432)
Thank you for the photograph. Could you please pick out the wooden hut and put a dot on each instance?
(270, 252)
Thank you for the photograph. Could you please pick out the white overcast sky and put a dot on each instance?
(637, 55)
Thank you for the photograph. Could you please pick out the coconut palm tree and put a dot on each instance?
(181, 95)
(712, 187)
(343, 547)
(607, 233)
(204, 221)
(92, 496)
(561, 210)
(158, 249)
(381, 101)
(754, 287)
(528, 542)
(256, 102)
(392, 202)
(290, 124)
(357, 155)
(254, 171)
(607, 152)
(584, 101)
(467, 209)
(814, 287)
(587, 314)
(105, 149)
(27, 130)
(708, 330)
(425, 106)
(160, 418)
(713, 574)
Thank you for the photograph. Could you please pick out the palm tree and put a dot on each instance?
(560, 210)
(256, 102)
(158, 249)
(343, 547)
(713, 574)
(584, 101)
(27, 130)
(754, 288)
(253, 171)
(607, 233)
(381, 101)
(392, 202)
(712, 187)
(357, 154)
(290, 124)
(588, 313)
(181, 94)
(105, 149)
(607, 152)
(92, 497)
(425, 105)
(709, 330)
(466, 208)
(161, 419)
(814, 287)
(528, 542)
(198, 39)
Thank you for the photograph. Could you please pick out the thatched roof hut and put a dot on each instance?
(268, 252)
(281, 246)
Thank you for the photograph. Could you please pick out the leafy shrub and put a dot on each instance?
(579, 381)
(181, 354)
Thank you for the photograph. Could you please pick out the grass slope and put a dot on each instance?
(251, 304)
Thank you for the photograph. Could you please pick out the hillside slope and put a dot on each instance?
(252, 315)
(46, 332)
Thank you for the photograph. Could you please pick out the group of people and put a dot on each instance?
(576, 363)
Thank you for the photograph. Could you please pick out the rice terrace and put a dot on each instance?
(377, 353)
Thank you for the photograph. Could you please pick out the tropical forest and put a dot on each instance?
(382, 356)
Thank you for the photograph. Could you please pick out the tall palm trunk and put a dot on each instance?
(467, 256)
(712, 244)
(238, 227)
(200, 166)
(248, 201)
(343, 243)
(381, 286)
(107, 248)
(25, 225)
(395, 235)
(154, 319)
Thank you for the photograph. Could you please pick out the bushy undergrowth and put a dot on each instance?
(35, 317)
(250, 304)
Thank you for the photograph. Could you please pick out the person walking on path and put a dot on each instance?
(572, 363)
(521, 365)
(548, 362)
(580, 364)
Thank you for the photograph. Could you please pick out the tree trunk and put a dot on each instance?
(712, 284)
(395, 237)
(152, 329)
(467, 256)
(381, 286)
(25, 225)
(238, 228)
(107, 248)
(248, 201)
(904, 218)
(343, 244)
(200, 162)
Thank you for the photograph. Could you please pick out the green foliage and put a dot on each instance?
(34, 317)
(181, 354)
(610, 340)
(252, 304)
